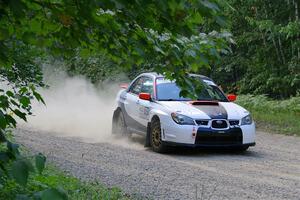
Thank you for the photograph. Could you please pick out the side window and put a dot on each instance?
(147, 86)
(136, 86)
(142, 84)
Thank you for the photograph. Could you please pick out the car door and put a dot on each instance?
(144, 106)
(131, 106)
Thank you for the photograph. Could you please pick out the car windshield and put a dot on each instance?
(168, 91)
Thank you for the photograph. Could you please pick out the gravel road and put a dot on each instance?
(270, 170)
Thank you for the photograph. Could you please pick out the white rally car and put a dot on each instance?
(151, 105)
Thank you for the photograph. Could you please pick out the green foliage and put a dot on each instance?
(162, 35)
(291, 105)
(277, 116)
(50, 185)
(167, 36)
(19, 90)
(266, 56)
(20, 171)
(52, 193)
(96, 67)
(40, 161)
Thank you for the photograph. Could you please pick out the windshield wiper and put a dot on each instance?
(207, 100)
(169, 100)
(173, 100)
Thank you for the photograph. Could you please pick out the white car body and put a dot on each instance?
(224, 126)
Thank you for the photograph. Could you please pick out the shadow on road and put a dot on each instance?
(190, 151)
(187, 151)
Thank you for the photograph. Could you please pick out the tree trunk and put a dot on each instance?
(272, 34)
(296, 10)
(297, 19)
(281, 50)
(275, 46)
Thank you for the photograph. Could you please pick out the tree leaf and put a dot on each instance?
(221, 21)
(20, 114)
(2, 136)
(20, 172)
(4, 104)
(29, 37)
(10, 120)
(4, 158)
(9, 93)
(13, 148)
(53, 193)
(25, 101)
(38, 97)
(40, 161)
(4, 33)
(3, 122)
(183, 93)
(22, 197)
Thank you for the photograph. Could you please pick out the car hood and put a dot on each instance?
(206, 110)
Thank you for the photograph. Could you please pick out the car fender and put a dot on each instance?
(160, 113)
(164, 116)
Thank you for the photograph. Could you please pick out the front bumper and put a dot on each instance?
(175, 144)
(195, 136)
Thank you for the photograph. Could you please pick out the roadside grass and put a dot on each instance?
(279, 116)
(72, 187)
(52, 177)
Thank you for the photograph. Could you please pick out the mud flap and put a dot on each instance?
(148, 137)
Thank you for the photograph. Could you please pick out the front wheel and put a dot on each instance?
(240, 149)
(155, 139)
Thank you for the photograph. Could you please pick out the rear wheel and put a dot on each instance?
(119, 126)
(155, 139)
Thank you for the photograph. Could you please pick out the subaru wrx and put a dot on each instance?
(151, 105)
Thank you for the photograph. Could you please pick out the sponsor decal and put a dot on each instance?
(144, 112)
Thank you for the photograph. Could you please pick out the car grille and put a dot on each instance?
(232, 136)
(202, 122)
(234, 122)
(219, 124)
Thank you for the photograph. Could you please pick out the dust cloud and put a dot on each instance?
(77, 108)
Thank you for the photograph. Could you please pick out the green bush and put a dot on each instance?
(280, 116)
(53, 178)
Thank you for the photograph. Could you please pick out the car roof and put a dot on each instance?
(201, 76)
(156, 75)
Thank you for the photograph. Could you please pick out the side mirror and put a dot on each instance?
(231, 97)
(145, 96)
(124, 85)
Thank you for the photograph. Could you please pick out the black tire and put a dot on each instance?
(155, 137)
(119, 126)
(240, 149)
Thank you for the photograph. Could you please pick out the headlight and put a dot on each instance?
(182, 119)
(246, 120)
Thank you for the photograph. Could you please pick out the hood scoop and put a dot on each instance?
(204, 103)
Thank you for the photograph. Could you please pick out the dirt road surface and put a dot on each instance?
(270, 170)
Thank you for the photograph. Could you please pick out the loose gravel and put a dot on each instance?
(270, 170)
